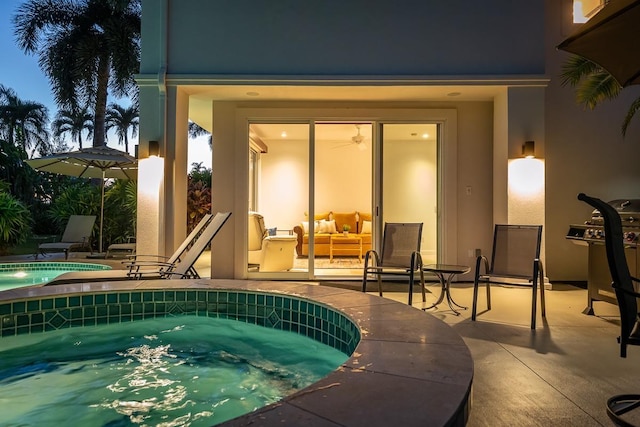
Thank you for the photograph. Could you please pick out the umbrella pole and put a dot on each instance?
(101, 208)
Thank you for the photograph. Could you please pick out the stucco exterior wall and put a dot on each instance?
(198, 42)
(585, 152)
(356, 37)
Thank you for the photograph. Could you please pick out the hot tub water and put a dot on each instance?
(172, 371)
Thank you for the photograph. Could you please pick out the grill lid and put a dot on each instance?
(629, 210)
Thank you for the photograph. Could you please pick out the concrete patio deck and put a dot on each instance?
(561, 374)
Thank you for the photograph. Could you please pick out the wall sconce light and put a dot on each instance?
(154, 148)
(529, 149)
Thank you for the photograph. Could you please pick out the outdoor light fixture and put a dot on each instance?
(154, 148)
(529, 150)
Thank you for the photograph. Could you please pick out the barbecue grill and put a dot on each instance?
(591, 234)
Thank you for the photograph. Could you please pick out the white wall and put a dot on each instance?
(343, 177)
(284, 183)
(342, 182)
(410, 173)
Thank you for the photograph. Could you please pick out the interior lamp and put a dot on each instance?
(529, 150)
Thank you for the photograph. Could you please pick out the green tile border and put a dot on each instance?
(288, 313)
(42, 266)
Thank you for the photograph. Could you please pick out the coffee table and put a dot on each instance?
(349, 238)
(446, 272)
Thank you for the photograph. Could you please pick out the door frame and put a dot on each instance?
(446, 118)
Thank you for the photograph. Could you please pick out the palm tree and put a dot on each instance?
(123, 119)
(73, 122)
(23, 123)
(195, 130)
(593, 85)
(87, 48)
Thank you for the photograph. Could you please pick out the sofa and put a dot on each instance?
(326, 224)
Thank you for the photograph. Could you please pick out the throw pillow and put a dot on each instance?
(325, 226)
(366, 227)
(272, 231)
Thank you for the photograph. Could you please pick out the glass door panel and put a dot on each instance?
(278, 196)
(410, 180)
(342, 197)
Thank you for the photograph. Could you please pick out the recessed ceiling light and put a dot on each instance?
(252, 94)
(425, 135)
(284, 134)
(454, 94)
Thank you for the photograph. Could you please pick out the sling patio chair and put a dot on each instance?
(76, 235)
(400, 256)
(138, 260)
(184, 268)
(620, 407)
(153, 266)
(515, 261)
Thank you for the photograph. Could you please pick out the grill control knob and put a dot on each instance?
(630, 236)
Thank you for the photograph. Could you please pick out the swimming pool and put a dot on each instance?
(19, 274)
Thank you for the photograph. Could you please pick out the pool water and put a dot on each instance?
(173, 371)
(17, 275)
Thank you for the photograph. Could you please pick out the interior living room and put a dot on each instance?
(340, 163)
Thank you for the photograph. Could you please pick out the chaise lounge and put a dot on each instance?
(76, 235)
(179, 266)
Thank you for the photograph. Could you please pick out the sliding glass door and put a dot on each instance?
(409, 184)
(342, 197)
(319, 193)
(278, 196)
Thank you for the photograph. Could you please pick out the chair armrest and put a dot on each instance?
(299, 232)
(481, 260)
(135, 267)
(416, 260)
(373, 255)
(137, 258)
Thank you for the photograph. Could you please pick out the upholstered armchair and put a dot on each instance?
(269, 253)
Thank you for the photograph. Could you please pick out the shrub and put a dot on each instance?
(15, 222)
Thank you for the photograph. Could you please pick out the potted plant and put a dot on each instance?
(345, 229)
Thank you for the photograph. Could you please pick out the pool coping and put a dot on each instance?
(409, 368)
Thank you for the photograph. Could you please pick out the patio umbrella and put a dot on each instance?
(611, 39)
(94, 162)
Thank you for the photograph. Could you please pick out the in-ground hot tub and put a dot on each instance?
(408, 368)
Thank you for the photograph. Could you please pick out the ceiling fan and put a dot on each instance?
(359, 140)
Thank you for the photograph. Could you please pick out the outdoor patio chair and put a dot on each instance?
(152, 266)
(76, 235)
(400, 256)
(184, 269)
(515, 261)
(624, 287)
(140, 259)
(122, 250)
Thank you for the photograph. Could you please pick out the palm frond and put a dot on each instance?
(635, 107)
